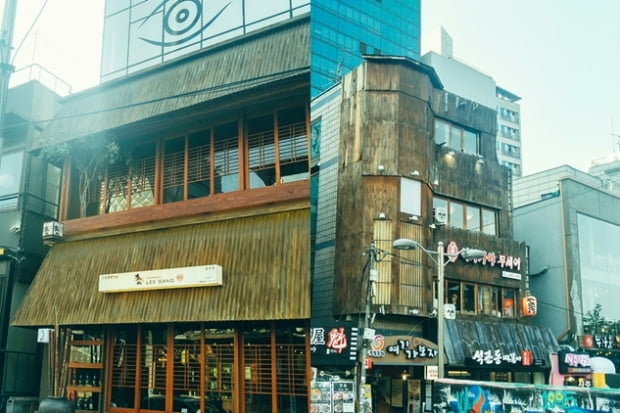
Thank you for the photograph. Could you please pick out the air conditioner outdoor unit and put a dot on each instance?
(440, 215)
(22, 404)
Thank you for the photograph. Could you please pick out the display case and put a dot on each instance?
(86, 370)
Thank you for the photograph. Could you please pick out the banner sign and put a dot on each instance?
(185, 277)
(334, 343)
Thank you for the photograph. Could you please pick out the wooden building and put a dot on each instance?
(405, 159)
(183, 272)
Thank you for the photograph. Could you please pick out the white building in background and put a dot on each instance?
(471, 83)
(607, 169)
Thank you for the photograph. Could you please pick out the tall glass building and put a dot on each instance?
(344, 30)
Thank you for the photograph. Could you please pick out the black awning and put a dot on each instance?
(497, 344)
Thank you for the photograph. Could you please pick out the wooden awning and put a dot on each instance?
(252, 61)
(266, 274)
(462, 339)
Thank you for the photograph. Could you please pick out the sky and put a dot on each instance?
(561, 56)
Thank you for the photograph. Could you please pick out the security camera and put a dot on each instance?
(15, 229)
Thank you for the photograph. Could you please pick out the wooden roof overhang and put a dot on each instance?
(273, 56)
(266, 274)
(463, 338)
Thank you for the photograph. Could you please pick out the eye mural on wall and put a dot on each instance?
(181, 21)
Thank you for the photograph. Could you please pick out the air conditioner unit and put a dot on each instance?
(22, 404)
(440, 215)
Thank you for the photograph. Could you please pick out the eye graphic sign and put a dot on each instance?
(154, 31)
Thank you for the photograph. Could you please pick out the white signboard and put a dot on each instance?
(185, 277)
(43, 335)
(511, 275)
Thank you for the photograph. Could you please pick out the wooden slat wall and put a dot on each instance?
(383, 241)
(415, 273)
(253, 61)
(266, 274)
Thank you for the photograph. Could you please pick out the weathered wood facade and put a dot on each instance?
(239, 346)
(393, 175)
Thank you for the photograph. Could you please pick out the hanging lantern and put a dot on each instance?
(529, 306)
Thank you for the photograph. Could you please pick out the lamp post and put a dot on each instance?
(441, 262)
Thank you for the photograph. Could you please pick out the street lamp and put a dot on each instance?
(441, 262)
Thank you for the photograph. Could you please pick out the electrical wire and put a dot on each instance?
(34, 22)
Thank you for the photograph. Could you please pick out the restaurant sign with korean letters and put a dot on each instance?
(402, 350)
(185, 277)
(494, 358)
(492, 259)
(334, 343)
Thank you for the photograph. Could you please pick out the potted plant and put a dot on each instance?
(594, 323)
(88, 156)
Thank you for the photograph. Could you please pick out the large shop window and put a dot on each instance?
(238, 155)
(186, 366)
(479, 299)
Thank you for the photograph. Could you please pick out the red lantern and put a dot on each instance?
(529, 306)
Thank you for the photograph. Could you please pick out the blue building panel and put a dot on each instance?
(342, 31)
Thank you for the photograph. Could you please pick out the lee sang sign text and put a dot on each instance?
(199, 276)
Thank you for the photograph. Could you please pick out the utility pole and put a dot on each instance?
(362, 356)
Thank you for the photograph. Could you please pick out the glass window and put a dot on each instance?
(470, 142)
(442, 132)
(473, 218)
(174, 167)
(469, 298)
(454, 295)
(261, 152)
(10, 178)
(487, 300)
(143, 176)
(456, 215)
(508, 303)
(123, 367)
(199, 164)
(155, 353)
(226, 153)
(258, 370)
(488, 222)
(456, 137)
(293, 145)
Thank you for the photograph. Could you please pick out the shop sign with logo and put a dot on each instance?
(496, 259)
(402, 350)
(186, 277)
(493, 358)
(572, 362)
(334, 343)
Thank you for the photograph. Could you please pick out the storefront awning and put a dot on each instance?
(265, 261)
(467, 341)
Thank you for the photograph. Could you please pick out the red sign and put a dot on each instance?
(453, 251)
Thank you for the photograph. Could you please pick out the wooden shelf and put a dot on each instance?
(92, 389)
(87, 342)
(79, 365)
